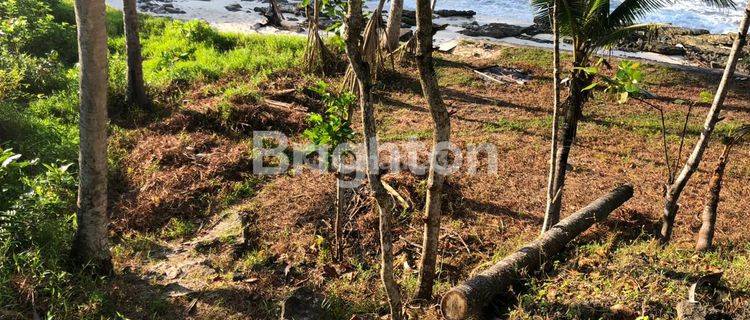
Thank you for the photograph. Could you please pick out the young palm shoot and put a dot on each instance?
(329, 131)
(710, 211)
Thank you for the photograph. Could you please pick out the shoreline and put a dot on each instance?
(243, 16)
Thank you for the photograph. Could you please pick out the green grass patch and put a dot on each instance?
(519, 125)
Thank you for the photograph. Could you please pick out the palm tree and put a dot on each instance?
(91, 246)
(592, 25)
(135, 93)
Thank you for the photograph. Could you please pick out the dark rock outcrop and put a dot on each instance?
(233, 7)
(456, 13)
(492, 30)
(409, 17)
(696, 45)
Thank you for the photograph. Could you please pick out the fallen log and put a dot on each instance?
(472, 295)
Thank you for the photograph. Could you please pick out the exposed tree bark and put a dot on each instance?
(393, 28)
(708, 225)
(442, 130)
(472, 295)
(674, 191)
(91, 246)
(573, 110)
(275, 16)
(361, 68)
(549, 221)
(135, 93)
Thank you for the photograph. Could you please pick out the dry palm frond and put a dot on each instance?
(406, 53)
(371, 50)
(317, 58)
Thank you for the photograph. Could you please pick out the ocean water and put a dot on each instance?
(685, 13)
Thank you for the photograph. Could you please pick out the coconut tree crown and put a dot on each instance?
(595, 24)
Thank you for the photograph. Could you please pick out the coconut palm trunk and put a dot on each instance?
(442, 129)
(91, 246)
(135, 93)
(674, 191)
(551, 191)
(384, 204)
(393, 28)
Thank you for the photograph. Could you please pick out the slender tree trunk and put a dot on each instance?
(275, 17)
(442, 129)
(549, 221)
(708, 225)
(393, 28)
(340, 207)
(675, 190)
(353, 40)
(91, 246)
(574, 106)
(135, 93)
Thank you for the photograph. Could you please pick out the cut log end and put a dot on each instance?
(454, 305)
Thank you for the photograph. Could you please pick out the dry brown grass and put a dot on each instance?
(486, 215)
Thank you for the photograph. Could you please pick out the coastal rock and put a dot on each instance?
(167, 9)
(492, 30)
(456, 13)
(696, 45)
(233, 7)
(409, 17)
(541, 25)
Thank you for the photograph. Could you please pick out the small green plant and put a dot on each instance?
(179, 229)
(626, 83)
(332, 128)
(332, 8)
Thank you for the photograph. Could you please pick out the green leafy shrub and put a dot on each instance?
(34, 47)
(36, 226)
(29, 26)
(333, 127)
